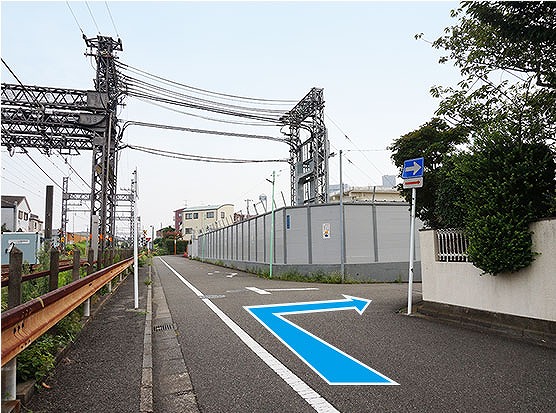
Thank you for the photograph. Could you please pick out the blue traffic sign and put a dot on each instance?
(332, 364)
(413, 168)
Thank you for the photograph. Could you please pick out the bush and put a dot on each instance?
(507, 185)
(37, 360)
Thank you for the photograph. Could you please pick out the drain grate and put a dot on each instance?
(163, 327)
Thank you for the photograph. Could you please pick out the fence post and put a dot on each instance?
(9, 371)
(76, 264)
(90, 261)
(54, 269)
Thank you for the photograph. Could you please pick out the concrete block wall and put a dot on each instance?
(530, 292)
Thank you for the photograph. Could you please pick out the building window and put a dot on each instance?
(195, 215)
(210, 214)
(188, 215)
(20, 215)
(189, 230)
(25, 216)
(222, 215)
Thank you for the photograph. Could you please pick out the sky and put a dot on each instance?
(376, 78)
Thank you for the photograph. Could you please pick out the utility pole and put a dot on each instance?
(48, 215)
(342, 225)
(135, 235)
(272, 223)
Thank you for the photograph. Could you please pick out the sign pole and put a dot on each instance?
(411, 250)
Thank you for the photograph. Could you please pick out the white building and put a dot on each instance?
(197, 220)
(368, 194)
(16, 214)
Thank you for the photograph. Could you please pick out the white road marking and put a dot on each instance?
(257, 290)
(292, 289)
(317, 402)
(231, 275)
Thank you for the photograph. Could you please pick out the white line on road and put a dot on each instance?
(257, 290)
(319, 403)
(292, 289)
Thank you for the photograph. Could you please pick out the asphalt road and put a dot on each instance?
(438, 367)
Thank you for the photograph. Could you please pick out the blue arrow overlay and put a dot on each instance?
(332, 364)
(413, 168)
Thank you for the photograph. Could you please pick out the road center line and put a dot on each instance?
(257, 290)
(317, 402)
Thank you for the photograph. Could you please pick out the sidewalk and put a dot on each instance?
(102, 371)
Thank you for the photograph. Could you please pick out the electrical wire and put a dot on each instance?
(137, 85)
(201, 107)
(92, 17)
(110, 14)
(212, 93)
(260, 123)
(75, 18)
(204, 131)
(43, 171)
(73, 170)
(22, 187)
(353, 143)
(198, 158)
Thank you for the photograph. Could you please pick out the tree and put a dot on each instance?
(513, 36)
(506, 102)
(435, 141)
(506, 52)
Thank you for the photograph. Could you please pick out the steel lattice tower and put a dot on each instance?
(104, 165)
(308, 159)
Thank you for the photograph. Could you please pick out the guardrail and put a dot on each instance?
(23, 324)
(451, 245)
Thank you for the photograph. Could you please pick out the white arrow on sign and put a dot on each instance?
(414, 168)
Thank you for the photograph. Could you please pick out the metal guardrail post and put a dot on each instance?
(54, 269)
(87, 303)
(9, 371)
(109, 262)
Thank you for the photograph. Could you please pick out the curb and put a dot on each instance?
(146, 404)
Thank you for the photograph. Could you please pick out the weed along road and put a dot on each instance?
(260, 345)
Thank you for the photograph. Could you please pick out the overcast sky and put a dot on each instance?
(376, 79)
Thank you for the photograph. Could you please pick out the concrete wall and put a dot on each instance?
(530, 292)
(307, 239)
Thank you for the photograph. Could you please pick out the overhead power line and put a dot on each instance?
(204, 131)
(43, 171)
(198, 158)
(75, 18)
(92, 16)
(205, 91)
(356, 147)
(259, 123)
(111, 18)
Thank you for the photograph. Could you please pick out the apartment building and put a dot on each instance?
(197, 220)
